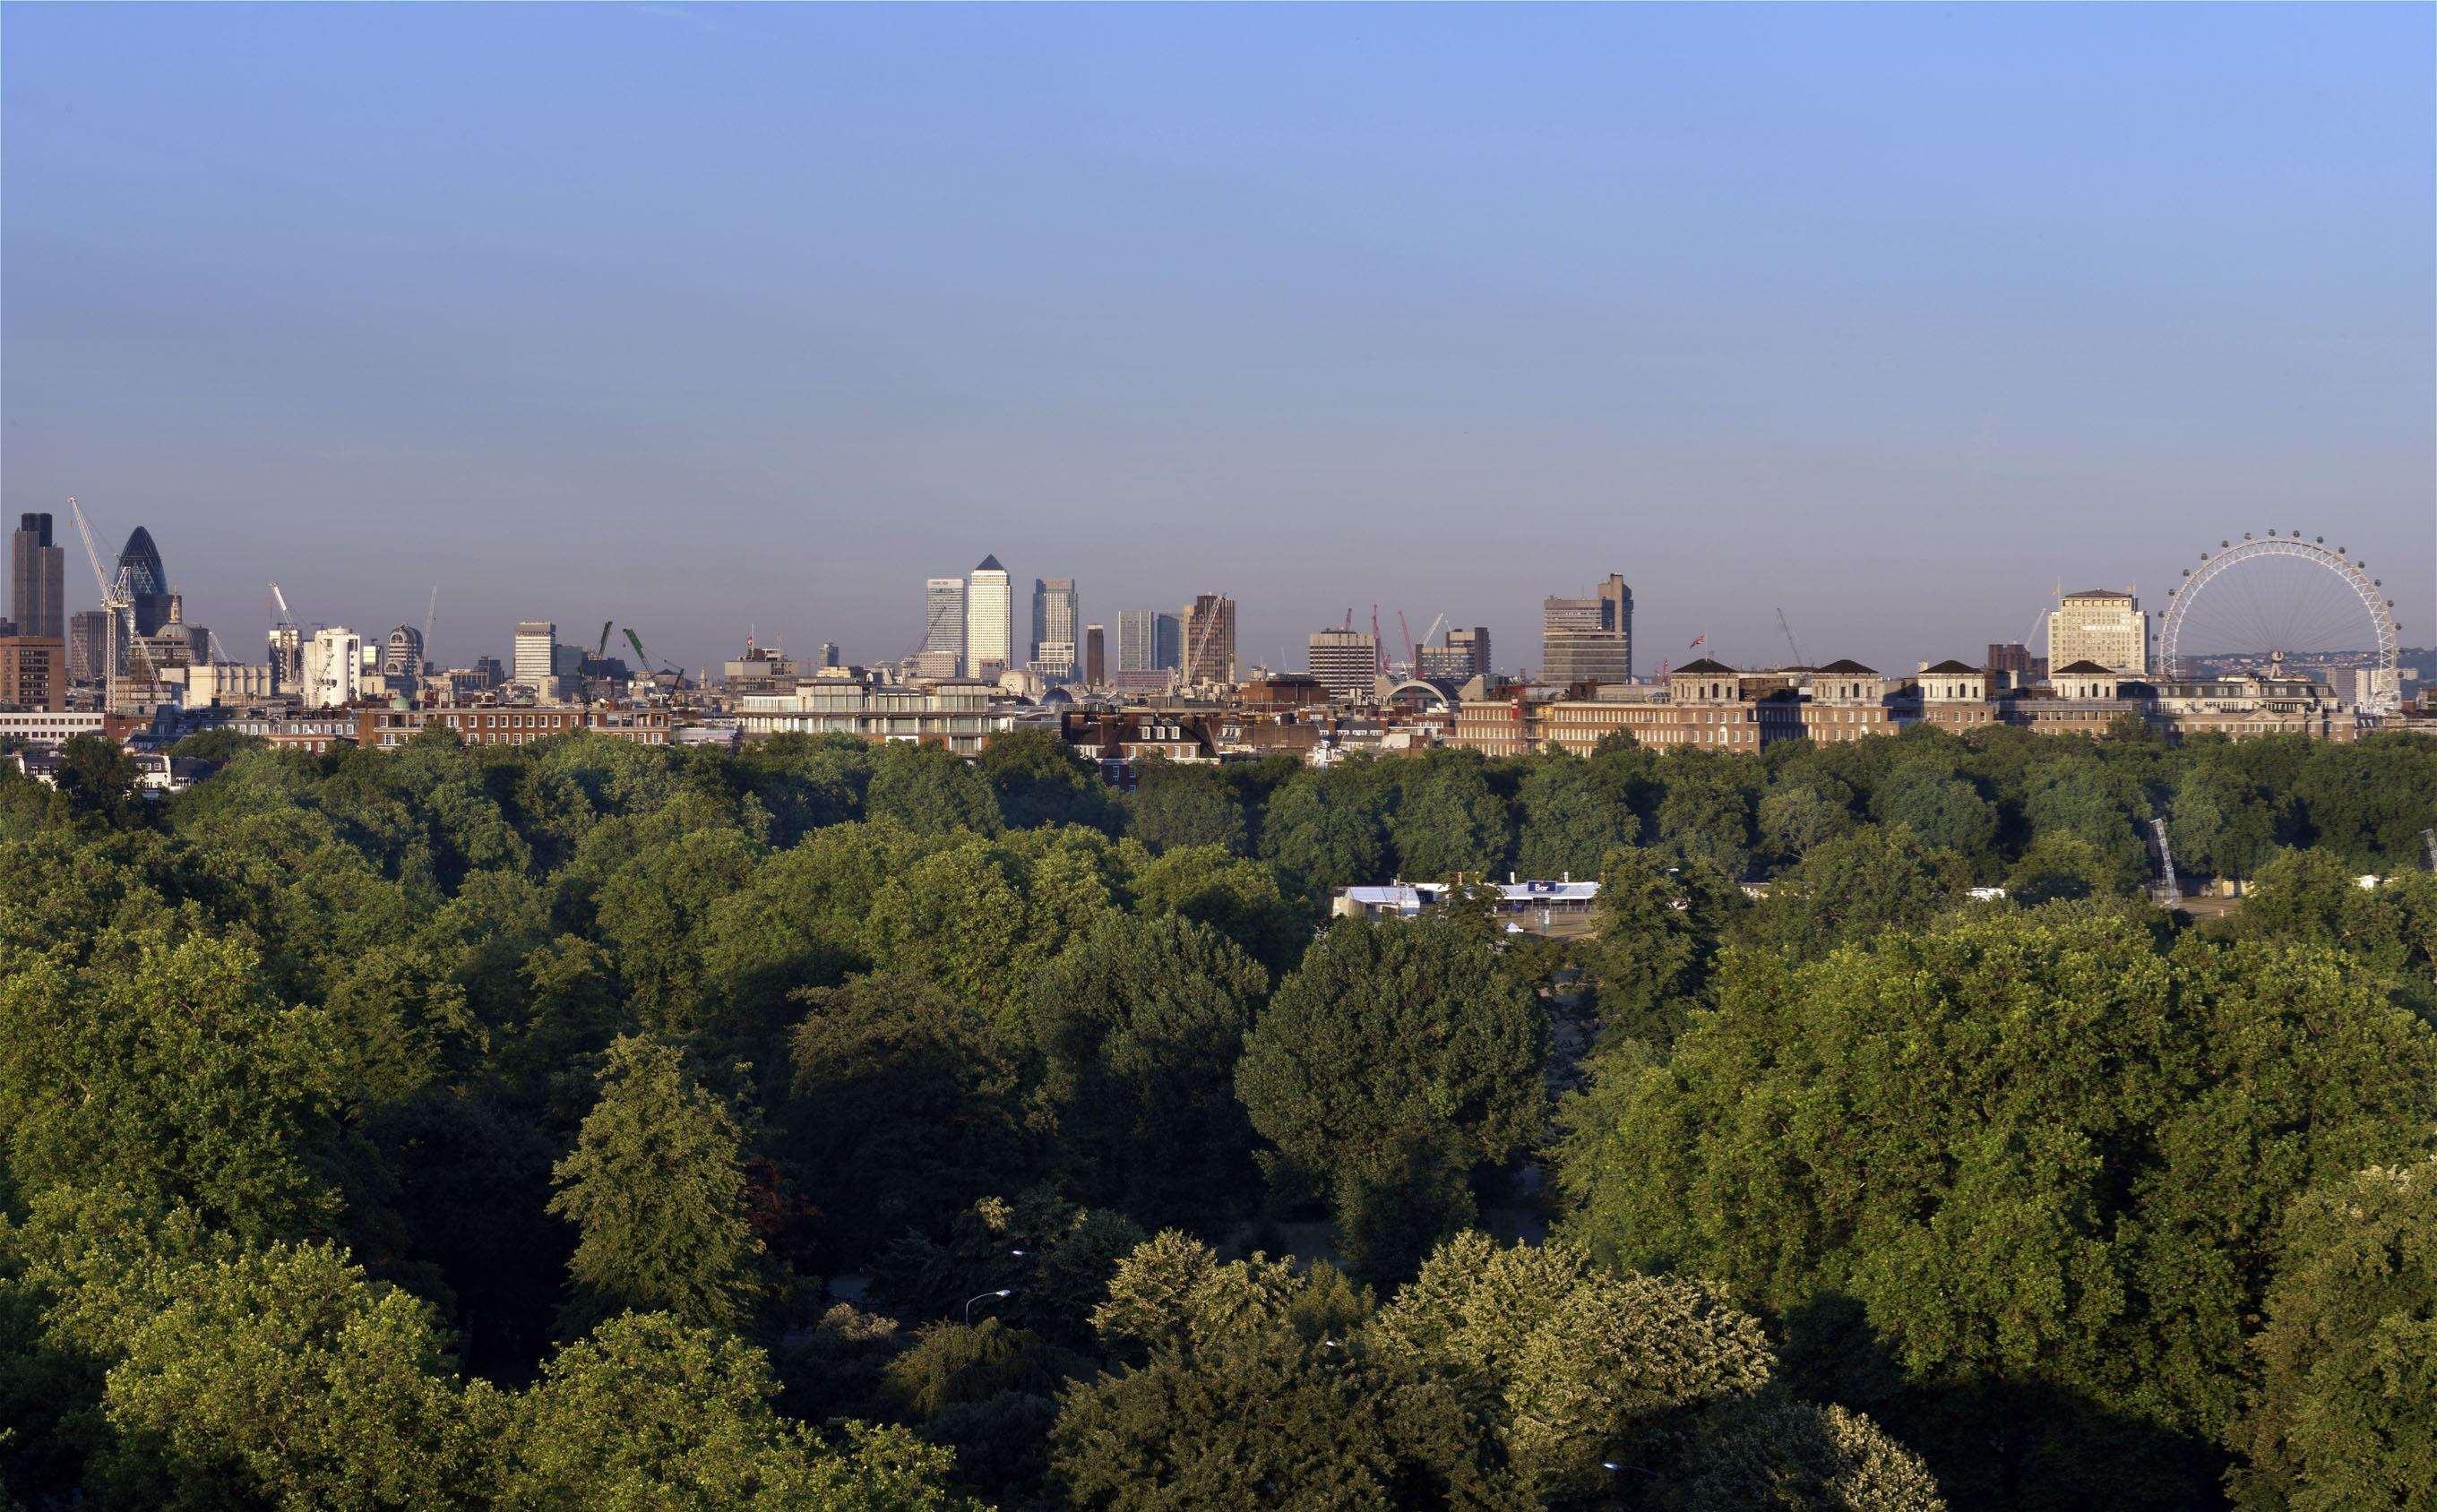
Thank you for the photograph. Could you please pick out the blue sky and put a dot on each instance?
(703, 318)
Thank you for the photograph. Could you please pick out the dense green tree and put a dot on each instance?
(2100, 805)
(1851, 888)
(1944, 811)
(166, 1069)
(1447, 821)
(656, 1190)
(1272, 1419)
(2043, 1155)
(1706, 817)
(287, 1378)
(1570, 819)
(97, 781)
(1799, 816)
(1180, 804)
(1658, 932)
(1239, 899)
(1580, 1368)
(2221, 822)
(1138, 1026)
(1394, 1059)
(981, 917)
(1328, 829)
(649, 1412)
(1797, 1456)
(929, 788)
(650, 909)
(2345, 1410)
(1039, 780)
(903, 1108)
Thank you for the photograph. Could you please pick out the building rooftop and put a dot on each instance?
(1950, 665)
(989, 563)
(2085, 668)
(1704, 666)
(1850, 668)
(2098, 593)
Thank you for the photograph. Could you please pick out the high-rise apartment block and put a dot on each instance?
(1096, 656)
(1344, 661)
(1056, 622)
(943, 626)
(1588, 640)
(1464, 657)
(990, 620)
(535, 662)
(2100, 626)
(37, 580)
(1147, 640)
(1209, 628)
(33, 671)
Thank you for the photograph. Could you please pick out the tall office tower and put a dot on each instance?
(1464, 657)
(1344, 661)
(334, 667)
(1055, 618)
(537, 642)
(827, 656)
(990, 620)
(1209, 626)
(402, 654)
(89, 631)
(2100, 626)
(1588, 640)
(147, 581)
(1147, 640)
(37, 580)
(1096, 656)
(943, 622)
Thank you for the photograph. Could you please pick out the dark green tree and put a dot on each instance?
(1039, 780)
(1176, 803)
(1138, 1026)
(1657, 932)
(1570, 819)
(1396, 1059)
(930, 788)
(1328, 827)
(903, 1108)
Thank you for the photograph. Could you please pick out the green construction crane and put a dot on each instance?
(645, 657)
(601, 650)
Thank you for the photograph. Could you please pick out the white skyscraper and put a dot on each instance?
(990, 620)
(334, 667)
(536, 641)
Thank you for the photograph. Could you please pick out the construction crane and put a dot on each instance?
(603, 650)
(431, 612)
(676, 674)
(1792, 644)
(1405, 634)
(1436, 625)
(1378, 653)
(118, 600)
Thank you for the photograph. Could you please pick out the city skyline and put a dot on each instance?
(1761, 309)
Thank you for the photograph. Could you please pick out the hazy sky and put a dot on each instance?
(706, 318)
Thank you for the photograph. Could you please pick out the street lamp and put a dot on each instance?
(982, 1297)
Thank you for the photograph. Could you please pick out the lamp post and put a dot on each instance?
(981, 1296)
